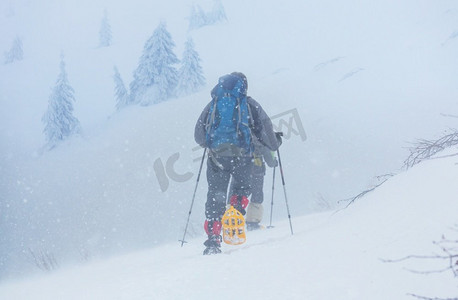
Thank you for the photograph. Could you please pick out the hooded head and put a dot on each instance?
(228, 81)
(241, 75)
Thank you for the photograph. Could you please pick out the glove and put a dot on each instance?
(278, 135)
(275, 162)
(270, 159)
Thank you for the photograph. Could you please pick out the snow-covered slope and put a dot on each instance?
(330, 256)
(364, 78)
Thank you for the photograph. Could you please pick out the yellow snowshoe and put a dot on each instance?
(233, 227)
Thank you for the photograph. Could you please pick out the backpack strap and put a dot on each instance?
(250, 119)
(210, 120)
(250, 115)
(239, 116)
(211, 117)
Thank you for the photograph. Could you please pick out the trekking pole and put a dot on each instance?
(193, 197)
(272, 202)
(284, 190)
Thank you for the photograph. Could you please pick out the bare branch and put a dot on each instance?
(428, 298)
(363, 193)
(429, 271)
(425, 149)
(450, 253)
(449, 115)
(43, 260)
(413, 256)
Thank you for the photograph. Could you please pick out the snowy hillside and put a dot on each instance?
(349, 83)
(331, 255)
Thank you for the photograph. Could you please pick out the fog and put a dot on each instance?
(355, 81)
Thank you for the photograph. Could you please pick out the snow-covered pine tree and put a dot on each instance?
(197, 18)
(190, 74)
(122, 97)
(218, 13)
(15, 53)
(155, 78)
(105, 32)
(59, 120)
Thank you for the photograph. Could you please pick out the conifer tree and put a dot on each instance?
(197, 18)
(218, 12)
(59, 120)
(105, 32)
(15, 53)
(190, 75)
(122, 97)
(155, 78)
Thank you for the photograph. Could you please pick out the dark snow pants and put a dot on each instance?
(219, 174)
(257, 184)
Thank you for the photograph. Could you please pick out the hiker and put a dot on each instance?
(227, 127)
(262, 156)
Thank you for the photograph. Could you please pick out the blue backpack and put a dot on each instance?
(229, 118)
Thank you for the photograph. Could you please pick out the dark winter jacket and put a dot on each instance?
(262, 127)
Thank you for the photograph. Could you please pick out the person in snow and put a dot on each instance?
(230, 155)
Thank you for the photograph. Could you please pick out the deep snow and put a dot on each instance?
(364, 79)
(335, 255)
